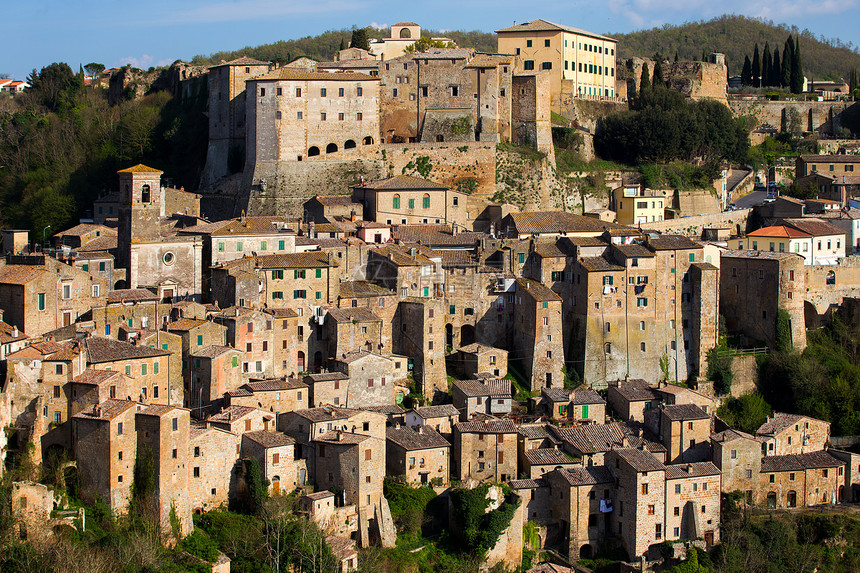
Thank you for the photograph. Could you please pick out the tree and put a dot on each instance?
(359, 39)
(783, 331)
(853, 82)
(425, 43)
(658, 71)
(676, 55)
(787, 56)
(756, 68)
(796, 80)
(342, 45)
(258, 486)
(776, 70)
(94, 69)
(766, 63)
(720, 370)
(746, 74)
(644, 80)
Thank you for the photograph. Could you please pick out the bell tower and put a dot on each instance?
(140, 208)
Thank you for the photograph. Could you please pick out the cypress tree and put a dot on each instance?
(645, 80)
(796, 70)
(676, 55)
(342, 45)
(756, 67)
(746, 74)
(766, 63)
(658, 72)
(787, 54)
(776, 70)
(359, 39)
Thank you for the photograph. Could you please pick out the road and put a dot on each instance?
(751, 200)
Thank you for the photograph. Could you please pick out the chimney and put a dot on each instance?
(14, 331)
(97, 410)
(339, 436)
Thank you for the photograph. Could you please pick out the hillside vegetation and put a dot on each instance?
(324, 46)
(735, 36)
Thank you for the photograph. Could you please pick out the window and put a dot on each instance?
(322, 116)
(340, 117)
(641, 302)
(41, 298)
(119, 429)
(299, 115)
(425, 202)
(529, 65)
(368, 455)
(644, 489)
(262, 92)
(650, 510)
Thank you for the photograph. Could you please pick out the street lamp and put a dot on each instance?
(43, 236)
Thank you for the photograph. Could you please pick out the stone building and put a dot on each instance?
(39, 294)
(738, 456)
(214, 372)
(227, 122)
(800, 480)
(785, 434)
(585, 59)
(826, 164)
(93, 387)
(538, 461)
(684, 429)
(491, 397)
(582, 405)
(446, 95)
(149, 244)
(581, 503)
(232, 239)
(165, 430)
(692, 506)
(327, 388)
(441, 418)
(353, 330)
(409, 200)
(420, 335)
(211, 459)
(105, 445)
(275, 395)
(137, 308)
(275, 452)
(242, 419)
(12, 338)
(485, 449)
(479, 358)
(539, 339)
(755, 286)
(372, 377)
(420, 454)
(592, 442)
(325, 208)
(299, 114)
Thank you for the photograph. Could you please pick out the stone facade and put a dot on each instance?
(211, 461)
(485, 450)
(419, 454)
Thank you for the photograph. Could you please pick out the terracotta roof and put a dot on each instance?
(697, 469)
(6, 333)
(635, 390)
(363, 289)
(537, 290)
(595, 438)
(527, 483)
(556, 394)
(405, 24)
(107, 410)
(441, 411)
(103, 243)
(799, 462)
(316, 496)
(351, 357)
(487, 426)
(264, 225)
(780, 421)
(157, 410)
(549, 250)
(779, 231)
(185, 324)
(731, 435)
(274, 384)
(243, 61)
(269, 439)
(534, 431)
(341, 547)
(349, 314)
(444, 54)
(814, 226)
(340, 437)
(212, 351)
(299, 74)
(680, 412)
(131, 295)
(477, 348)
(326, 413)
(404, 182)
(312, 259)
(101, 349)
(547, 457)
(402, 256)
(586, 396)
(423, 438)
(671, 243)
(20, 274)
(231, 414)
(140, 168)
(83, 229)
(590, 475)
(633, 250)
(833, 158)
(489, 60)
(640, 460)
(325, 377)
(495, 388)
(598, 264)
(538, 222)
(750, 254)
(95, 377)
(547, 26)
(436, 236)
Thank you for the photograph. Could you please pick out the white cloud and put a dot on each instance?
(378, 26)
(143, 61)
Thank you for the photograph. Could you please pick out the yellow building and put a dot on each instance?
(634, 204)
(585, 59)
(781, 239)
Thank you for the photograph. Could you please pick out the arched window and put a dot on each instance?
(426, 201)
(440, 138)
(350, 144)
(300, 361)
(313, 151)
(395, 202)
(405, 33)
(791, 499)
(771, 500)
(368, 140)
(144, 194)
(331, 148)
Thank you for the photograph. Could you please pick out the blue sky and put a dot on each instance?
(157, 32)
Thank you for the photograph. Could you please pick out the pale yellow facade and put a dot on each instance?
(585, 59)
(634, 205)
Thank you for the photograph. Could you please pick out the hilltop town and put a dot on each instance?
(387, 287)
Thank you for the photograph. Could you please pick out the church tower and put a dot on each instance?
(140, 208)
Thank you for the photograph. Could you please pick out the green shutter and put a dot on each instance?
(41, 301)
(585, 410)
(235, 361)
(319, 273)
(693, 257)
(239, 246)
(426, 202)
(199, 340)
(318, 295)
(396, 202)
(155, 367)
(86, 268)
(128, 370)
(522, 258)
(164, 346)
(280, 245)
(262, 245)
(452, 309)
(101, 266)
(412, 203)
(221, 247)
(143, 369)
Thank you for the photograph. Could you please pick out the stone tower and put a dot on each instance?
(140, 208)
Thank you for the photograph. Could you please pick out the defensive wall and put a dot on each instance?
(692, 226)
